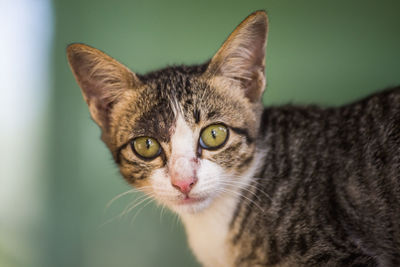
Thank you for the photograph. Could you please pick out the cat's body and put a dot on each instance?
(280, 186)
(333, 181)
(326, 191)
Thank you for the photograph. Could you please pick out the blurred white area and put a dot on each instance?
(25, 42)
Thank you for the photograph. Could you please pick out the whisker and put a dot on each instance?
(242, 187)
(138, 211)
(250, 184)
(241, 195)
(162, 210)
(130, 191)
(120, 215)
(176, 221)
(239, 183)
(107, 222)
(133, 206)
(257, 189)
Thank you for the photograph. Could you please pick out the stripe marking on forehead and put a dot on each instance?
(176, 107)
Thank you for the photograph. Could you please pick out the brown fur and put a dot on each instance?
(126, 105)
(317, 187)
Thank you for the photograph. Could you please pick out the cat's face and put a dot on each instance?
(195, 143)
(184, 135)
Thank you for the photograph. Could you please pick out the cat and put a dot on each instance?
(254, 186)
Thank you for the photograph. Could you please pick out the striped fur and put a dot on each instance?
(292, 186)
(331, 179)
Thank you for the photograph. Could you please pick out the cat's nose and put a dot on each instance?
(183, 173)
(184, 185)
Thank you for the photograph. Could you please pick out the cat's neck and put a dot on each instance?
(209, 229)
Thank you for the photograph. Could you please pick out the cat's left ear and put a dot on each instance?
(241, 59)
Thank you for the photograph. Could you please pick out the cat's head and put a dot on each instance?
(187, 134)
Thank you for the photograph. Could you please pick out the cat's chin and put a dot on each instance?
(191, 205)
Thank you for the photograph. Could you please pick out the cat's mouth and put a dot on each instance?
(191, 204)
(187, 200)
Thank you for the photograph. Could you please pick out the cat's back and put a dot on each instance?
(329, 187)
(367, 126)
(368, 183)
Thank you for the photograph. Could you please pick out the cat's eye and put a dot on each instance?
(146, 147)
(213, 136)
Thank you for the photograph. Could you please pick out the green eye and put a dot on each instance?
(213, 136)
(146, 147)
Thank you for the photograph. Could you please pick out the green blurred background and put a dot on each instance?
(57, 177)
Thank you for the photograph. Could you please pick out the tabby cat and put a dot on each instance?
(254, 186)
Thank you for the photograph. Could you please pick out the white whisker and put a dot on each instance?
(138, 211)
(241, 195)
(133, 206)
(242, 187)
(129, 206)
(247, 184)
(162, 210)
(130, 191)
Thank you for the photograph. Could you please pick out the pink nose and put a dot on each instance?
(184, 185)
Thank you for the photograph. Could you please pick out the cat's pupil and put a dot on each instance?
(213, 133)
(148, 143)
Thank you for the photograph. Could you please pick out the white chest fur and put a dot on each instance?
(207, 232)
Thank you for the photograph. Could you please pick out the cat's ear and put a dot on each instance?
(241, 59)
(101, 78)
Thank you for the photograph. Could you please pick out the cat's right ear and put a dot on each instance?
(240, 62)
(101, 78)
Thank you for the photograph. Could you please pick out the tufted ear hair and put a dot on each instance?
(101, 78)
(241, 59)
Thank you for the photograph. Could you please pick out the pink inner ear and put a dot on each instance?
(242, 57)
(102, 79)
(183, 172)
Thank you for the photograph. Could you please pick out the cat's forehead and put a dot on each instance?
(175, 83)
(176, 90)
(167, 92)
(173, 73)
(171, 92)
